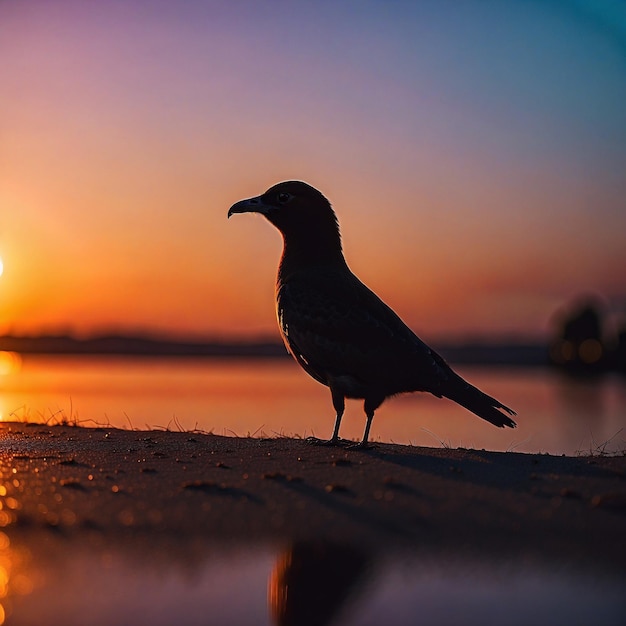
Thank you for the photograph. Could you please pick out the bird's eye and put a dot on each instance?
(284, 197)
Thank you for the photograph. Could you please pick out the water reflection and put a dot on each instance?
(312, 581)
(558, 415)
(51, 577)
(582, 398)
(16, 574)
(10, 363)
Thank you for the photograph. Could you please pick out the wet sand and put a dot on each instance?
(117, 483)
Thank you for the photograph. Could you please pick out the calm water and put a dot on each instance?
(556, 414)
(82, 583)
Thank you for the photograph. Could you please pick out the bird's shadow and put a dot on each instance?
(504, 470)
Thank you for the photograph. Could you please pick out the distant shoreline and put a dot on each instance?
(129, 345)
(506, 353)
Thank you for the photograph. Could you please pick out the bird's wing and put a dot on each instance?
(335, 325)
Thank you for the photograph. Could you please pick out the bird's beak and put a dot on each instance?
(250, 205)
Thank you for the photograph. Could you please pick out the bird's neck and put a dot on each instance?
(311, 251)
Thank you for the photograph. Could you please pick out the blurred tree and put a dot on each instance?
(578, 344)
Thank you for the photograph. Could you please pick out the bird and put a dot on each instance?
(338, 330)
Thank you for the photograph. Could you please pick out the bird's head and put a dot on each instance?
(298, 210)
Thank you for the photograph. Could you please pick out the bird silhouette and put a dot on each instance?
(338, 330)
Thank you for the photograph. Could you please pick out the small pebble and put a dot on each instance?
(335, 488)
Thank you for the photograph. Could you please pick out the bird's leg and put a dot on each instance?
(363, 444)
(370, 407)
(368, 424)
(340, 405)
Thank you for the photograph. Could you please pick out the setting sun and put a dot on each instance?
(1, 267)
(136, 116)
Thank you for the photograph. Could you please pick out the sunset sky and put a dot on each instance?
(474, 150)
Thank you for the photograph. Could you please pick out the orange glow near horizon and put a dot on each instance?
(127, 134)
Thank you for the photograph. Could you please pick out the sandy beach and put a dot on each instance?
(126, 506)
(245, 489)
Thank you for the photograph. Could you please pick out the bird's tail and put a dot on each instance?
(479, 403)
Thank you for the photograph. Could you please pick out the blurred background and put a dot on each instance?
(474, 151)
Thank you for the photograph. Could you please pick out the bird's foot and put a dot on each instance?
(314, 441)
(362, 445)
